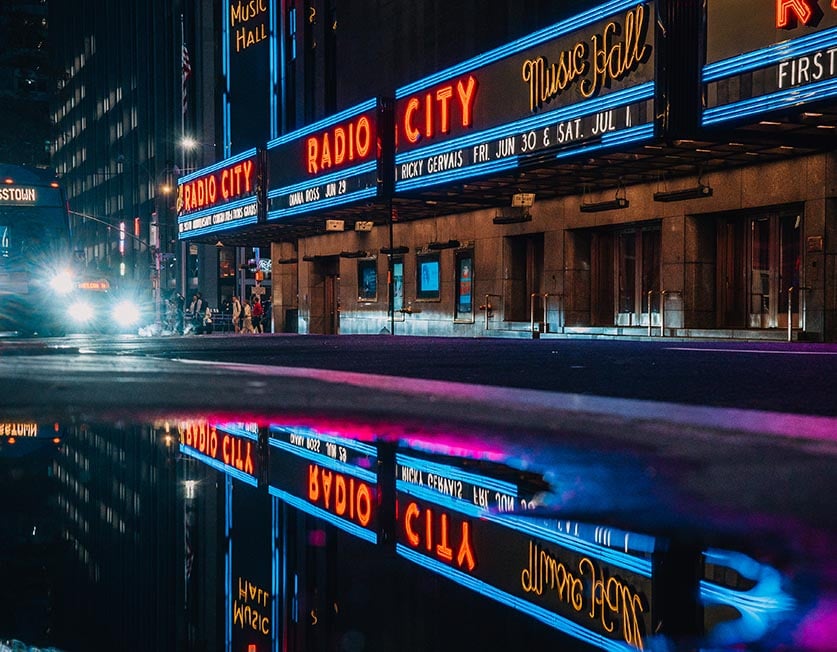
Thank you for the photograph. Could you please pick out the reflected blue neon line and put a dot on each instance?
(624, 136)
(328, 178)
(308, 508)
(228, 562)
(358, 195)
(359, 446)
(559, 29)
(638, 93)
(218, 227)
(246, 201)
(773, 54)
(218, 166)
(545, 616)
(277, 568)
(457, 474)
(322, 124)
(764, 103)
(325, 461)
(219, 466)
(525, 526)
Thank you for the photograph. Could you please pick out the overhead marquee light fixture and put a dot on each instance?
(696, 192)
(610, 205)
(290, 261)
(450, 244)
(354, 254)
(619, 202)
(392, 251)
(512, 216)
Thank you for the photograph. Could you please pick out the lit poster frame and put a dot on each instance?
(547, 95)
(463, 309)
(784, 58)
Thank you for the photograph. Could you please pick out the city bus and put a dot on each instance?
(37, 276)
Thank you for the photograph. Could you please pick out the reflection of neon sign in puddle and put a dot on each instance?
(489, 524)
(483, 524)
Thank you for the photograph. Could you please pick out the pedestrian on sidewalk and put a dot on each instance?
(236, 314)
(258, 314)
(247, 321)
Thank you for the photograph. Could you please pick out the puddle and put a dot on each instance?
(256, 534)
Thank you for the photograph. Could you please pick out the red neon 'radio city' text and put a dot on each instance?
(230, 183)
(343, 144)
(790, 13)
(439, 534)
(342, 495)
(432, 114)
(233, 451)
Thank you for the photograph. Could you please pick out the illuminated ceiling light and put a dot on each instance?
(770, 123)
(810, 114)
(826, 127)
(786, 147)
(697, 192)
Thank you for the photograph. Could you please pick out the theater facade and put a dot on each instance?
(643, 168)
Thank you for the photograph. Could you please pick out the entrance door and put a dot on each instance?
(638, 273)
(331, 302)
(758, 263)
(525, 271)
(325, 297)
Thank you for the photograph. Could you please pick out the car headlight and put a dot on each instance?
(126, 313)
(81, 312)
(62, 283)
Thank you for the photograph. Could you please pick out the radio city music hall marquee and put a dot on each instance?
(219, 197)
(330, 163)
(492, 112)
(787, 56)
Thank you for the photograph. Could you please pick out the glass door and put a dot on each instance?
(638, 274)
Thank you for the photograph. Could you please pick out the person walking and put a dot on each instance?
(258, 314)
(236, 314)
(247, 321)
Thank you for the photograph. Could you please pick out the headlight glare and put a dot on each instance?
(126, 313)
(81, 312)
(62, 282)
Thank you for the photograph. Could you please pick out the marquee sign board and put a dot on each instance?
(219, 197)
(331, 163)
(786, 57)
(470, 528)
(231, 448)
(329, 477)
(584, 84)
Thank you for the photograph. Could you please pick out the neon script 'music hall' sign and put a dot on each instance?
(584, 84)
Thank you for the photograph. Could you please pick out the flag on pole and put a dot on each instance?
(187, 72)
